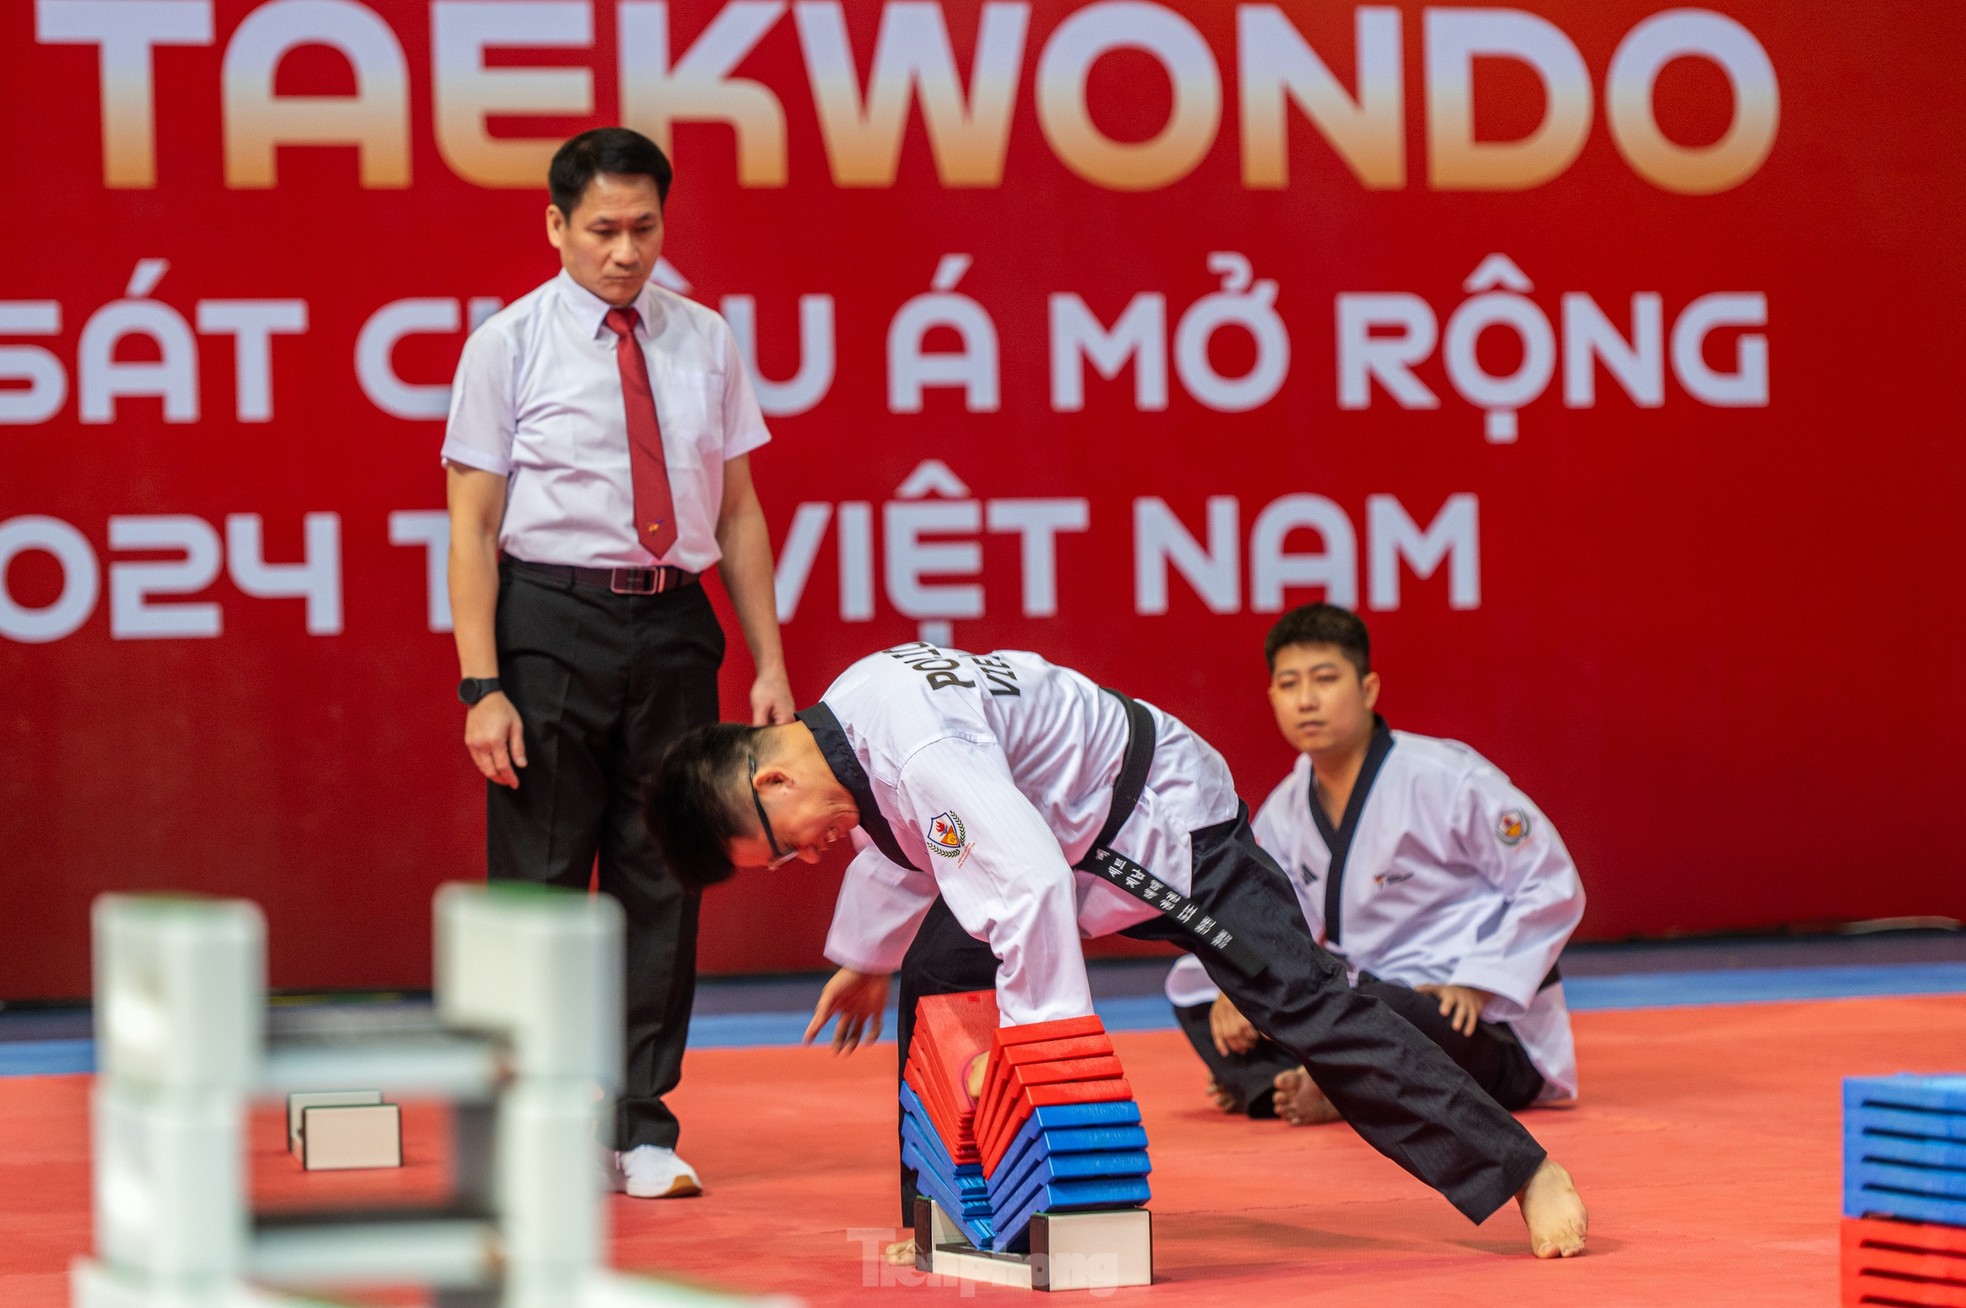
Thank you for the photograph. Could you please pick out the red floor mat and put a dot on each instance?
(1707, 1147)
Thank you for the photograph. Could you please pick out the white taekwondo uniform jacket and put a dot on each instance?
(994, 774)
(1451, 876)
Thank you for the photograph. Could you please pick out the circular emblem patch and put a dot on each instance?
(1512, 827)
(946, 834)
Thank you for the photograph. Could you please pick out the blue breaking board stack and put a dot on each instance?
(1904, 1191)
(1053, 1129)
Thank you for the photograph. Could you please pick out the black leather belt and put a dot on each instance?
(622, 581)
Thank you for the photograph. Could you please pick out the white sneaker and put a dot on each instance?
(653, 1172)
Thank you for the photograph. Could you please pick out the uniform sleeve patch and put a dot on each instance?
(946, 836)
(1512, 828)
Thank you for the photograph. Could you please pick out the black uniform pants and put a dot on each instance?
(1249, 1077)
(1393, 1085)
(1493, 1055)
(603, 682)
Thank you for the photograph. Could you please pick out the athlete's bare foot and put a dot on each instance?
(900, 1254)
(1554, 1213)
(1299, 1101)
(973, 1079)
(1222, 1098)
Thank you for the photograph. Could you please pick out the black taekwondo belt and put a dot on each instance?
(1104, 861)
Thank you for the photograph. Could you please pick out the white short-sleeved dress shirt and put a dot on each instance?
(537, 399)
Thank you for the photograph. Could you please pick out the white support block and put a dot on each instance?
(444, 1065)
(345, 1137)
(302, 1100)
(546, 1185)
(1104, 1249)
(446, 1253)
(180, 991)
(170, 1181)
(1100, 1250)
(529, 997)
(94, 1285)
(968, 1263)
(539, 967)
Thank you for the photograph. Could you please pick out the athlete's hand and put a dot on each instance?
(496, 739)
(973, 1078)
(857, 999)
(1461, 1005)
(1232, 1032)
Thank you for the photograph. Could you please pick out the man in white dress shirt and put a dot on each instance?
(1037, 807)
(597, 463)
(1443, 888)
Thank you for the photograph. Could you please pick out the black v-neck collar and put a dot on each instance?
(838, 753)
(1339, 839)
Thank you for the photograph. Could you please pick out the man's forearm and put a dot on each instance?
(747, 574)
(474, 603)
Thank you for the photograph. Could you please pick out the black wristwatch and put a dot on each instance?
(473, 689)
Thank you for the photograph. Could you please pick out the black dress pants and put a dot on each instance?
(1393, 1085)
(603, 683)
(1493, 1055)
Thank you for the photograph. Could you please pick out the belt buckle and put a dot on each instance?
(635, 581)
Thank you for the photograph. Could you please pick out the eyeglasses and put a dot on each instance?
(779, 857)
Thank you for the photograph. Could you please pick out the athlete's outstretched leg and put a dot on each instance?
(1395, 1087)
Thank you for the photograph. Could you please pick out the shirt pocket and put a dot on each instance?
(579, 425)
(690, 403)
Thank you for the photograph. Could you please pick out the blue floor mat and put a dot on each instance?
(1745, 985)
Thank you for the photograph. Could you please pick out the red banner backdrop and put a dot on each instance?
(1596, 351)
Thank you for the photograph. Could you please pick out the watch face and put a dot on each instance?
(470, 690)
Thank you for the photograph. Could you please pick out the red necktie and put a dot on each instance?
(655, 509)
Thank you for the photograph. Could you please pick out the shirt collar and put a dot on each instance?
(591, 311)
(838, 752)
(1376, 749)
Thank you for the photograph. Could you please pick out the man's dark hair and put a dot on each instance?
(694, 801)
(1321, 624)
(617, 150)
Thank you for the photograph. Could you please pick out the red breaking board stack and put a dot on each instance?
(1904, 1191)
(950, 1031)
(1053, 1126)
